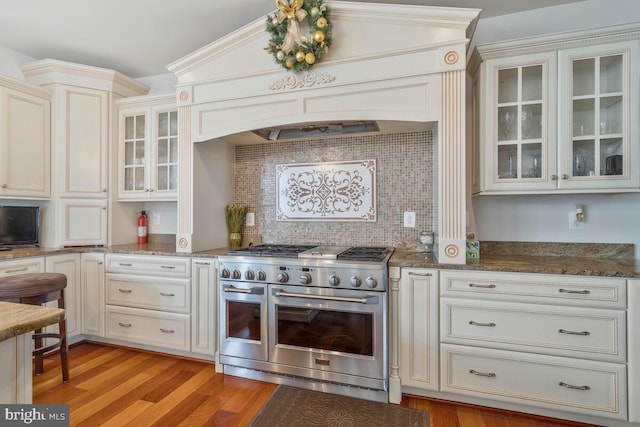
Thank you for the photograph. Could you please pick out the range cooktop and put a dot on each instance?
(346, 253)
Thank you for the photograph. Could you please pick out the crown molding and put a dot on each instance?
(51, 71)
(552, 42)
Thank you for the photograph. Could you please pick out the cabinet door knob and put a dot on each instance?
(4, 185)
(554, 177)
(104, 190)
(565, 176)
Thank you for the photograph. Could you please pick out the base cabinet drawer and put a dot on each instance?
(21, 266)
(549, 289)
(151, 327)
(561, 331)
(149, 292)
(169, 266)
(565, 384)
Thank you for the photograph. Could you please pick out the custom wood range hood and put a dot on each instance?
(388, 64)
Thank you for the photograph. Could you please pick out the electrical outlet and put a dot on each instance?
(409, 219)
(156, 218)
(574, 224)
(250, 220)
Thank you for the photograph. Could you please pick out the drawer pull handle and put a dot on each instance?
(490, 324)
(164, 294)
(125, 264)
(574, 387)
(203, 263)
(583, 333)
(125, 325)
(476, 285)
(125, 291)
(16, 270)
(569, 291)
(168, 267)
(411, 273)
(168, 331)
(482, 374)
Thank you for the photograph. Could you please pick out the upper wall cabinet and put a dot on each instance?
(25, 141)
(557, 115)
(148, 148)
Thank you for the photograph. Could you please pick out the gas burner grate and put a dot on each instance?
(365, 253)
(284, 251)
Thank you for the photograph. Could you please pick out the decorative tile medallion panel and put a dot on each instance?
(332, 191)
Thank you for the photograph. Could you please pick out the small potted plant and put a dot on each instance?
(235, 215)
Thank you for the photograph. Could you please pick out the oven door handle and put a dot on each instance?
(369, 299)
(253, 291)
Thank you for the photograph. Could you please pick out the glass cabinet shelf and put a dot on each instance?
(597, 114)
(520, 112)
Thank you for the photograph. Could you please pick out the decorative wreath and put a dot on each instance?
(290, 48)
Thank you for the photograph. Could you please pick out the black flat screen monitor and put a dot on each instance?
(19, 226)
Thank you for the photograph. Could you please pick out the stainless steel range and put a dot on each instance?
(310, 316)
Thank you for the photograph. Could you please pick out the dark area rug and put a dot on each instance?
(291, 406)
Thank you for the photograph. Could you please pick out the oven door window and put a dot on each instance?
(243, 320)
(332, 330)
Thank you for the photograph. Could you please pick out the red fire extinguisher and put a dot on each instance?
(142, 227)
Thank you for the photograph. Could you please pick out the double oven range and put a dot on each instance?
(310, 316)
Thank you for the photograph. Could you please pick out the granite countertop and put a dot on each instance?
(17, 319)
(588, 259)
(583, 259)
(582, 266)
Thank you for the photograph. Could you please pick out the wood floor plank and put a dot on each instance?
(122, 418)
(90, 407)
(173, 399)
(114, 386)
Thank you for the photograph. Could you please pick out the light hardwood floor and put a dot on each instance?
(114, 386)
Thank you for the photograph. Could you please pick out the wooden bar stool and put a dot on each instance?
(38, 289)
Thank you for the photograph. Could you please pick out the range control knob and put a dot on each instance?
(334, 280)
(355, 281)
(237, 275)
(371, 282)
(305, 278)
(282, 277)
(225, 273)
(249, 275)
(262, 276)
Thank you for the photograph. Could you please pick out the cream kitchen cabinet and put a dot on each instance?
(92, 285)
(82, 117)
(418, 330)
(21, 266)
(546, 341)
(25, 140)
(556, 114)
(69, 265)
(204, 306)
(633, 322)
(148, 148)
(82, 134)
(148, 301)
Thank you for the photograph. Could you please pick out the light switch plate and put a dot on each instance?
(250, 220)
(574, 224)
(409, 219)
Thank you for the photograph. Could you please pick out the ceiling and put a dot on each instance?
(140, 37)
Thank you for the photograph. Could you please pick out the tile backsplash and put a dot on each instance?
(405, 183)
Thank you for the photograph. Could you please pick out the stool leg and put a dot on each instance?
(64, 351)
(39, 358)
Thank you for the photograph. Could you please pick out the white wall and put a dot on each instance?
(10, 62)
(556, 19)
(544, 218)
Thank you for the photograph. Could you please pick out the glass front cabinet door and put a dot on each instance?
(148, 152)
(518, 121)
(598, 117)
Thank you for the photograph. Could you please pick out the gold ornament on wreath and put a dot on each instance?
(288, 46)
